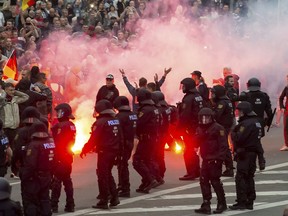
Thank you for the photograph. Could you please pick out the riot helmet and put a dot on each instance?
(161, 98)
(218, 91)
(30, 115)
(206, 116)
(122, 103)
(187, 84)
(5, 189)
(253, 84)
(39, 130)
(245, 109)
(64, 110)
(104, 107)
(144, 97)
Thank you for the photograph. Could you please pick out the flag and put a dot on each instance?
(10, 68)
(26, 4)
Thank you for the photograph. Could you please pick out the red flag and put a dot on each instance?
(10, 68)
(26, 4)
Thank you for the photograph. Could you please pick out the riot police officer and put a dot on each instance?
(8, 206)
(165, 113)
(213, 147)
(4, 151)
(224, 115)
(128, 123)
(106, 139)
(261, 104)
(147, 132)
(192, 102)
(29, 116)
(37, 171)
(246, 140)
(63, 133)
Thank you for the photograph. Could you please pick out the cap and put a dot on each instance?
(197, 73)
(110, 76)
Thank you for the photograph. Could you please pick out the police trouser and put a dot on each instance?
(285, 122)
(62, 174)
(3, 170)
(159, 154)
(123, 169)
(35, 195)
(106, 182)
(142, 162)
(191, 158)
(210, 175)
(245, 185)
(228, 156)
(11, 133)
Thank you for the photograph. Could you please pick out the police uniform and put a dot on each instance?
(212, 139)
(105, 138)
(36, 172)
(8, 206)
(261, 104)
(4, 145)
(63, 134)
(147, 132)
(192, 102)
(128, 124)
(224, 115)
(246, 138)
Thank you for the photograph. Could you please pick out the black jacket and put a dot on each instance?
(10, 207)
(110, 93)
(224, 114)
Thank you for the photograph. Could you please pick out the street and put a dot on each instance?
(180, 197)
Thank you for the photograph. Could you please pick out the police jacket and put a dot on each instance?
(64, 137)
(260, 102)
(212, 141)
(39, 158)
(224, 114)
(4, 144)
(105, 136)
(232, 94)
(166, 113)
(128, 122)
(281, 99)
(148, 120)
(192, 102)
(10, 207)
(108, 93)
(247, 134)
(203, 91)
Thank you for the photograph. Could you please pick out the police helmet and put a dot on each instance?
(218, 90)
(39, 130)
(64, 110)
(188, 84)
(144, 97)
(155, 98)
(253, 84)
(205, 116)
(122, 103)
(5, 189)
(161, 98)
(104, 107)
(30, 115)
(246, 108)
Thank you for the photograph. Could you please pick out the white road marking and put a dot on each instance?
(274, 172)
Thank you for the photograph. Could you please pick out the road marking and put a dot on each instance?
(191, 196)
(274, 172)
(163, 192)
(155, 209)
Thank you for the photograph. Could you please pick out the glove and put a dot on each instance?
(82, 154)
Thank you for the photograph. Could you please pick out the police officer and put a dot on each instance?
(29, 116)
(64, 136)
(37, 171)
(106, 139)
(8, 206)
(246, 140)
(192, 102)
(4, 151)
(213, 147)
(201, 85)
(261, 104)
(128, 123)
(147, 132)
(224, 115)
(165, 113)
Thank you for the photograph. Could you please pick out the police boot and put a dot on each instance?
(249, 204)
(238, 206)
(205, 208)
(102, 204)
(141, 187)
(54, 207)
(114, 201)
(70, 206)
(221, 206)
(152, 184)
(124, 193)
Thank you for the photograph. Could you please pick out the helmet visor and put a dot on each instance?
(205, 119)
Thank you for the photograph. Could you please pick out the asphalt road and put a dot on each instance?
(180, 198)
